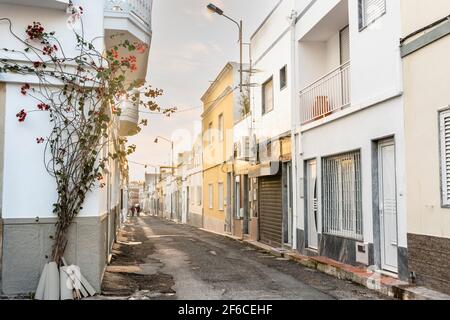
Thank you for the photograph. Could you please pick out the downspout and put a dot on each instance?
(294, 119)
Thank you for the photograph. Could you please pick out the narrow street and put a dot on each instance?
(161, 260)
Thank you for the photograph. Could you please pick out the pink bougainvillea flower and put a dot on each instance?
(22, 115)
(141, 47)
(25, 88)
(43, 107)
(75, 13)
(115, 54)
(40, 140)
(48, 50)
(35, 31)
(131, 62)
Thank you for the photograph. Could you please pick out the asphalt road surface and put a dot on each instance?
(156, 259)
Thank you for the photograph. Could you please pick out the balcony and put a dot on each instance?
(133, 16)
(329, 94)
(50, 4)
(129, 20)
(129, 119)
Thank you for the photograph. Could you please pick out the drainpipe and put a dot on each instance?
(294, 119)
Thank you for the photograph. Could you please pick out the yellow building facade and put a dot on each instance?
(217, 130)
(426, 71)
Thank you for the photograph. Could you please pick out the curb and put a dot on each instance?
(385, 285)
(388, 286)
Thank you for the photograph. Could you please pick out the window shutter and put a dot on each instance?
(345, 45)
(445, 155)
(372, 10)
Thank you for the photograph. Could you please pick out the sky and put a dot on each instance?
(190, 46)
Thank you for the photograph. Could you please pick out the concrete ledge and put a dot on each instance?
(89, 220)
(222, 234)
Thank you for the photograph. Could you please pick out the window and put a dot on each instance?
(267, 96)
(370, 11)
(444, 119)
(221, 127)
(220, 192)
(283, 78)
(341, 196)
(210, 196)
(199, 196)
(344, 37)
(210, 137)
(192, 195)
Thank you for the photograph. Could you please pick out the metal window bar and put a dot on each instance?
(341, 197)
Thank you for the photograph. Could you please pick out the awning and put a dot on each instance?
(271, 168)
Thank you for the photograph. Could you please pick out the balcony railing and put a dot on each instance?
(327, 95)
(140, 9)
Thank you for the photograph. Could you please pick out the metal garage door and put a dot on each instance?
(271, 210)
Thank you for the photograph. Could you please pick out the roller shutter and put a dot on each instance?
(271, 210)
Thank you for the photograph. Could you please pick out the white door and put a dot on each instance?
(388, 206)
(311, 204)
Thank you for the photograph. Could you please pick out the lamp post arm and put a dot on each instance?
(165, 139)
(234, 21)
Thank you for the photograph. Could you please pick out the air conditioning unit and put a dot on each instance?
(244, 149)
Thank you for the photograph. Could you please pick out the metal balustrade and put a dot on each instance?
(141, 9)
(329, 94)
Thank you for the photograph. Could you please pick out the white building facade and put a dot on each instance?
(349, 133)
(193, 181)
(272, 93)
(27, 225)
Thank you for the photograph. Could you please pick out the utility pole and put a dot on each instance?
(215, 9)
(241, 54)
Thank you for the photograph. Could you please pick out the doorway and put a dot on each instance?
(245, 198)
(312, 205)
(290, 204)
(388, 205)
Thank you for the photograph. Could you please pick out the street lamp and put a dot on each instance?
(171, 144)
(211, 7)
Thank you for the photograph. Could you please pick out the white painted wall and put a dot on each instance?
(271, 51)
(375, 55)
(53, 20)
(356, 132)
(313, 58)
(28, 190)
(195, 180)
(375, 74)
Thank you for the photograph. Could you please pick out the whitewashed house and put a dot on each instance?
(193, 182)
(349, 131)
(272, 93)
(27, 191)
(150, 201)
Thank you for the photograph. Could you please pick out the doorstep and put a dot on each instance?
(373, 280)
